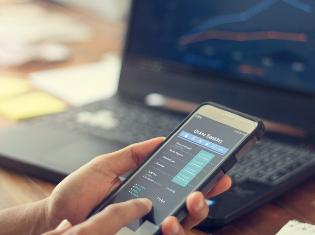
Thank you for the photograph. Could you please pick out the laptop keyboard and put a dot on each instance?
(113, 120)
(270, 162)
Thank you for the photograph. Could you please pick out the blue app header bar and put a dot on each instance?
(203, 143)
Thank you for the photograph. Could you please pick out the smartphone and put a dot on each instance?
(192, 158)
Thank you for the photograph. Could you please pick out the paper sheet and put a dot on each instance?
(294, 227)
(12, 86)
(83, 84)
(30, 105)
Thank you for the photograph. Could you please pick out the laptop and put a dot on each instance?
(253, 56)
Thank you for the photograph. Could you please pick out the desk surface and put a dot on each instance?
(298, 203)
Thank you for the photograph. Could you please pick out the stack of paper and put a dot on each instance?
(30, 105)
(11, 87)
(76, 85)
(19, 100)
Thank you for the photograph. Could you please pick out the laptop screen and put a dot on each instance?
(263, 42)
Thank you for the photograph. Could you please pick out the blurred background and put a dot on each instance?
(59, 54)
(55, 54)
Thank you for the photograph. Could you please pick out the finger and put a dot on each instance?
(54, 233)
(115, 217)
(197, 210)
(171, 226)
(130, 157)
(222, 185)
(61, 228)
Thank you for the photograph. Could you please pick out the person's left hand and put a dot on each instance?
(75, 197)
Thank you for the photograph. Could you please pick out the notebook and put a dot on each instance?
(294, 227)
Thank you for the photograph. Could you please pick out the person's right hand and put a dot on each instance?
(109, 221)
(114, 217)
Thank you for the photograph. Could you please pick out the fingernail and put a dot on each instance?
(200, 205)
(174, 229)
(147, 203)
(63, 225)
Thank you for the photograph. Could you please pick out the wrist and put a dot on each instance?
(54, 212)
(28, 219)
(40, 217)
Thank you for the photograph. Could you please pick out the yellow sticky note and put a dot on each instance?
(30, 105)
(12, 86)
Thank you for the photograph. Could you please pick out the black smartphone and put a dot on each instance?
(192, 158)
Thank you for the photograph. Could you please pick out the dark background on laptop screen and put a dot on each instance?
(269, 42)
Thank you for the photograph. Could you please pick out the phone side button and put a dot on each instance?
(228, 164)
(181, 215)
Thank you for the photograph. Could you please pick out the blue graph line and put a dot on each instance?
(248, 14)
(302, 6)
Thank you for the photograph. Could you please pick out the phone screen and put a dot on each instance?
(183, 162)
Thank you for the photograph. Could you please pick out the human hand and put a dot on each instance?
(81, 191)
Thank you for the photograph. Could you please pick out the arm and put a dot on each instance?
(25, 219)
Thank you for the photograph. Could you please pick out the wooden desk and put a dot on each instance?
(15, 189)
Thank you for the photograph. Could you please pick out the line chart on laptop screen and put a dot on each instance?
(263, 41)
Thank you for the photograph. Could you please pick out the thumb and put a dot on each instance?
(61, 228)
(129, 157)
(116, 216)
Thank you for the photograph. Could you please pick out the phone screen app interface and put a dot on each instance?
(180, 165)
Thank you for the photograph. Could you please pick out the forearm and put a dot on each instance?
(29, 219)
